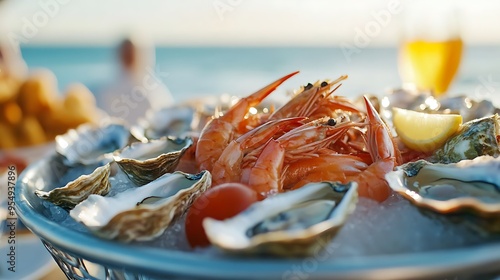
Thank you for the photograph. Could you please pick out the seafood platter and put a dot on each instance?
(315, 187)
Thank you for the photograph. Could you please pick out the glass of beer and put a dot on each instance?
(431, 49)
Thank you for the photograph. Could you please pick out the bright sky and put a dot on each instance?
(236, 22)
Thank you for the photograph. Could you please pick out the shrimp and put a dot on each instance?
(264, 174)
(333, 104)
(344, 168)
(217, 134)
(187, 163)
(328, 164)
(385, 156)
(303, 140)
(227, 167)
(307, 139)
(307, 101)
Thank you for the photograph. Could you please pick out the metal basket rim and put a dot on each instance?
(147, 260)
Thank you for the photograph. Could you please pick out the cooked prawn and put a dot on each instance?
(344, 168)
(228, 167)
(217, 134)
(307, 101)
(264, 173)
(385, 156)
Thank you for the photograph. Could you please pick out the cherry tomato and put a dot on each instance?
(220, 202)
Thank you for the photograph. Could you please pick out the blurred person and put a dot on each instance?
(137, 88)
(13, 70)
(12, 63)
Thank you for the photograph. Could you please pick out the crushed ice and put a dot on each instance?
(392, 227)
(119, 183)
(396, 226)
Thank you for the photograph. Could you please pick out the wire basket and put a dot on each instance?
(76, 268)
(73, 267)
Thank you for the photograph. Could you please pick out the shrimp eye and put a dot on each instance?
(309, 86)
(324, 84)
(332, 122)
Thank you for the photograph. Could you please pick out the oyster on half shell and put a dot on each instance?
(469, 186)
(141, 213)
(423, 101)
(295, 223)
(475, 138)
(175, 120)
(79, 189)
(90, 144)
(145, 162)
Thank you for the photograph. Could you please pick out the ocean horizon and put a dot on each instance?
(190, 72)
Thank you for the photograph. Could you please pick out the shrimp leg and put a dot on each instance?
(228, 167)
(345, 168)
(265, 175)
(220, 131)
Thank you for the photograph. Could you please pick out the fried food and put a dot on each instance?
(37, 93)
(32, 112)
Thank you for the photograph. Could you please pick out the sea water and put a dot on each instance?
(199, 71)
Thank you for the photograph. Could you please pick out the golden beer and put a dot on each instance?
(430, 65)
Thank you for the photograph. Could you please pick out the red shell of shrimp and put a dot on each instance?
(385, 155)
(307, 140)
(265, 175)
(213, 140)
(325, 167)
(333, 106)
(305, 103)
(371, 182)
(187, 163)
(370, 178)
(301, 105)
(343, 168)
(217, 134)
(228, 167)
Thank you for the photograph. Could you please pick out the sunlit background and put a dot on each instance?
(236, 46)
(230, 22)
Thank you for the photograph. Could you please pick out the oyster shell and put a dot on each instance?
(471, 186)
(78, 190)
(475, 138)
(141, 213)
(408, 99)
(170, 121)
(92, 144)
(145, 162)
(468, 108)
(294, 223)
(189, 118)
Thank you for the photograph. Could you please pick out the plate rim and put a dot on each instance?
(154, 261)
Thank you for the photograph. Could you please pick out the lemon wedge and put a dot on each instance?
(422, 131)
